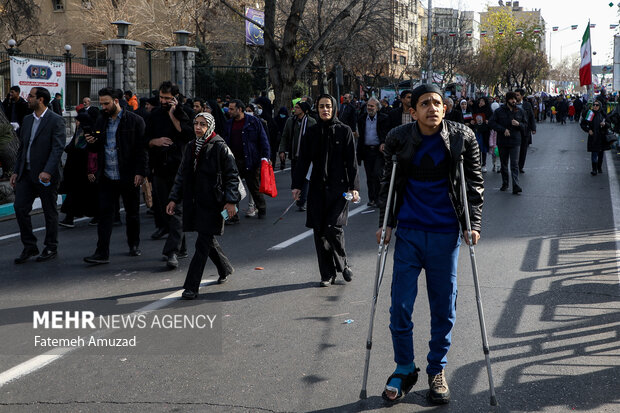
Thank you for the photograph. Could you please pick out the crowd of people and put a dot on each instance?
(192, 157)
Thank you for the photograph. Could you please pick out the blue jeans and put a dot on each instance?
(438, 254)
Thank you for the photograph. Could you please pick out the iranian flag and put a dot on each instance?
(585, 69)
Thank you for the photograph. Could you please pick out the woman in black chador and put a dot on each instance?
(330, 148)
(208, 185)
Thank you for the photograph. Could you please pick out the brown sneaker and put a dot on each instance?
(438, 389)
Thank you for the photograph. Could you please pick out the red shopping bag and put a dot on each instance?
(267, 180)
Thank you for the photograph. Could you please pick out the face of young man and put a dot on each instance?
(165, 99)
(519, 97)
(325, 109)
(429, 112)
(109, 106)
(406, 100)
(297, 111)
(197, 107)
(14, 95)
(234, 112)
(512, 103)
(33, 102)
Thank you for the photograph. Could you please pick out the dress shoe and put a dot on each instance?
(172, 261)
(134, 251)
(47, 254)
(516, 189)
(67, 223)
(189, 295)
(97, 258)
(372, 204)
(26, 254)
(504, 187)
(347, 274)
(159, 233)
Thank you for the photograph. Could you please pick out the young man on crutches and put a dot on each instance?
(430, 217)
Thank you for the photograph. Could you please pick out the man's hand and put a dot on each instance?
(13, 180)
(138, 180)
(381, 147)
(515, 122)
(603, 123)
(388, 235)
(475, 236)
(296, 194)
(356, 196)
(506, 132)
(163, 141)
(533, 132)
(45, 177)
(590, 133)
(282, 156)
(92, 177)
(230, 208)
(170, 208)
(173, 105)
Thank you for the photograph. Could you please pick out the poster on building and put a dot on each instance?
(28, 73)
(254, 34)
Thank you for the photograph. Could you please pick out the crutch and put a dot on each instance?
(381, 258)
(472, 255)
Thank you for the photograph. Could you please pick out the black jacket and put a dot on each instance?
(348, 116)
(21, 109)
(529, 114)
(197, 188)
(598, 141)
(502, 120)
(460, 143)
(396, 117)
(455, 115)
(383, 127)
(165, 160)
(130, 146)
(330, 147)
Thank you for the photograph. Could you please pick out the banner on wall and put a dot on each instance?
(28, 73)
(254, 35)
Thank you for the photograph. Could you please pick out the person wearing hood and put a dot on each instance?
(281, 121)
(294, 130)
(207, 183)
(330, 147)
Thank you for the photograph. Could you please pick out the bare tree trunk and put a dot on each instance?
(323, 72)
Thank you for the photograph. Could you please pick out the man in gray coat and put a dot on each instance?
(37, 173)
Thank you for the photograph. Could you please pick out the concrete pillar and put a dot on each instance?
(182, 62)
(122, 63)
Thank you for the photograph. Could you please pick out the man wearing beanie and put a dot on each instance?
(294, 129)
(429, 216)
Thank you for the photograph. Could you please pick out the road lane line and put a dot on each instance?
(306, 234)
(281, 170)
(38, 362)
(614, 192)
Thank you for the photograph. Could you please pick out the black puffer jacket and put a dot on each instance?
(196, 189)
(460, 142)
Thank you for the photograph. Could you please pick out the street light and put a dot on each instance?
(12, 50)
(68, 57)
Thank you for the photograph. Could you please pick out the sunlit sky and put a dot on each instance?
(564, 13)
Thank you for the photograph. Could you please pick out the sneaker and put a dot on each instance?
(438, 392)
(172, 262)
(325, 283)
(67, 223)
(484, 169)
(251, 212)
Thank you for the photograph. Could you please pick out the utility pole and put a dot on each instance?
(429, 43)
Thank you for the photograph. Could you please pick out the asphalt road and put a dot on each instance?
(548, 269)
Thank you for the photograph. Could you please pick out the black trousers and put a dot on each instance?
(26, 191)
(373, 164)
(109, 192)
(509, 154)
(174, 223)
(252, 179)
(329, 243)
(525, 141)
(303, 197)
(206, 247)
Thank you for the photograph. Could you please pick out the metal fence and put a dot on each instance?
(153, 67)
(241, 82)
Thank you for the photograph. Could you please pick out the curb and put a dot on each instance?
(7, 210)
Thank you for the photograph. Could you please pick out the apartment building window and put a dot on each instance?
(403, 60)
(96, 55)
(58, 5)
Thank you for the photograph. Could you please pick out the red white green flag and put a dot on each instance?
(556, 28)
(574, 27)
(585, 69)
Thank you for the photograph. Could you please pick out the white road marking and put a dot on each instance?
(281, 170)
(306, 234)
(614, 192)
(38, 362)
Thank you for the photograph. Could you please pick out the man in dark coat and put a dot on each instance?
(373, 126)
(55, 104)
(266, 105)
(330, 147)
(249, 143)
(510, 123)
(15, 107)
(530, 129)
(37, 173)
(168, 129)
(400, 115)
(118, 141)
(347, 113)
(428, 214)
